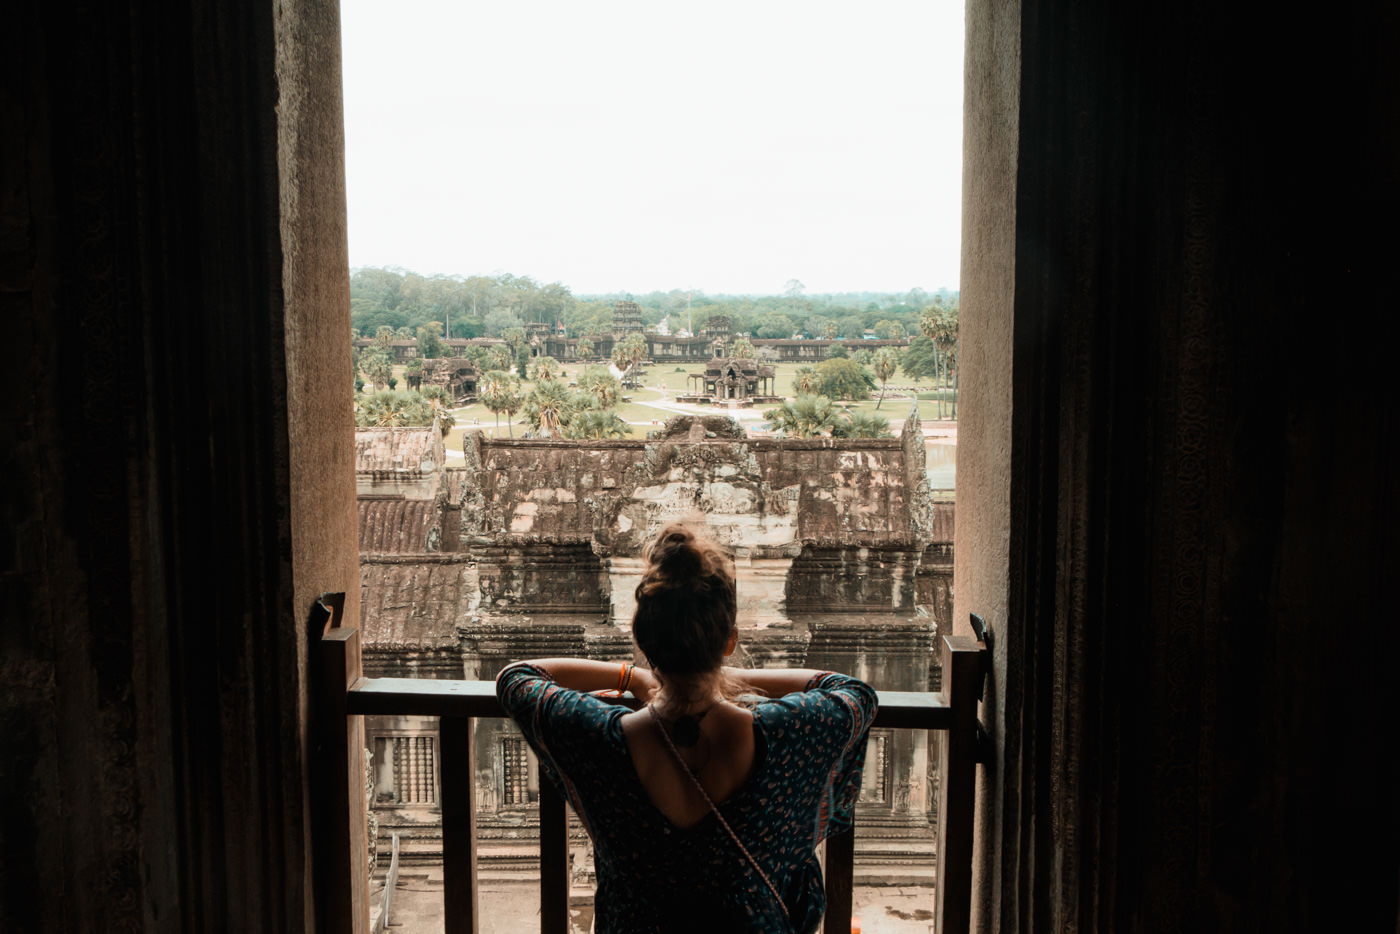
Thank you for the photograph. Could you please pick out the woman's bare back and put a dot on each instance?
(723, 759)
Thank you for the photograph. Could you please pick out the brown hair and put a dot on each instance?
(686, 603)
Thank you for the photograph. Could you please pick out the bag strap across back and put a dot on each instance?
(675, 753)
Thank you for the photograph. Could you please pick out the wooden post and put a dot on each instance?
(461, 908)
(340, 784)
(554, 860)
(840, 881)
(957, 770)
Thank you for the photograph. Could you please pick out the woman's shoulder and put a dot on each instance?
(825, 686)
(522, 684)
(828, 696)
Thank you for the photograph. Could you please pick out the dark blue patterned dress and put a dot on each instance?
(655, 877)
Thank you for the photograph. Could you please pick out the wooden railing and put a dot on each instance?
(346, 697)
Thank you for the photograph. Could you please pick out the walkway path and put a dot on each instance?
(510, 907)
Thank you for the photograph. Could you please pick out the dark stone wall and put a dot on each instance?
(542, 578)
(852, 579)
(1194, 656)
(933, 584)
(151, 658)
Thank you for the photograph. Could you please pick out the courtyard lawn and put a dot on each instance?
(897, 409)
(643, 418)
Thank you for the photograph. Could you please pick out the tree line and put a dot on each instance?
(487, 306)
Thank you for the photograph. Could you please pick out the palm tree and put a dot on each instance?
(595, 424)
(862, 425)
(885, 362)
(545, 368)
(436, 398)
(377, 367)
(939, 322)
(499, 391)
(597, 383)
(513, 402)
(390, 409)
(499, 358)
(629, 353)
(549, 407)
(807, 416)
(804, 381)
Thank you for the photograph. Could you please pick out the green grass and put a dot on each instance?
(897, 409)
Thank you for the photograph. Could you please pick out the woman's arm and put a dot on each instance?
(774, 682)
(582, 674)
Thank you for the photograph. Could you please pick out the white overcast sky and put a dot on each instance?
(631, 146)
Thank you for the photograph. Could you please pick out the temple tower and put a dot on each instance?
(627, 319)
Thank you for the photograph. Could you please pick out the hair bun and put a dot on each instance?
(675, 556)
(679, 558)
(686, 602)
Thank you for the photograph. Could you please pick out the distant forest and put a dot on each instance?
(484, 306)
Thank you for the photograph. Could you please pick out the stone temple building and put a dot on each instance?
(458, 376)
(733, 381)
(533, 549)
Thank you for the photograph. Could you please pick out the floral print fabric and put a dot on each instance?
(809, 748)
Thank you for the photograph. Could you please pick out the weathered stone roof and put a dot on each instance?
(396, 526)
(401, 451)
(449, 366)
(746, 366)
(415, 601)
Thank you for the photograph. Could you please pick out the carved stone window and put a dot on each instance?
(875, 784)
(414, 760)
(515, 772)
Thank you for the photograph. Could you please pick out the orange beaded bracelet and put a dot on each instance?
(624, 679)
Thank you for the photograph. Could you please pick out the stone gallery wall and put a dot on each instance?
(755, 495)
